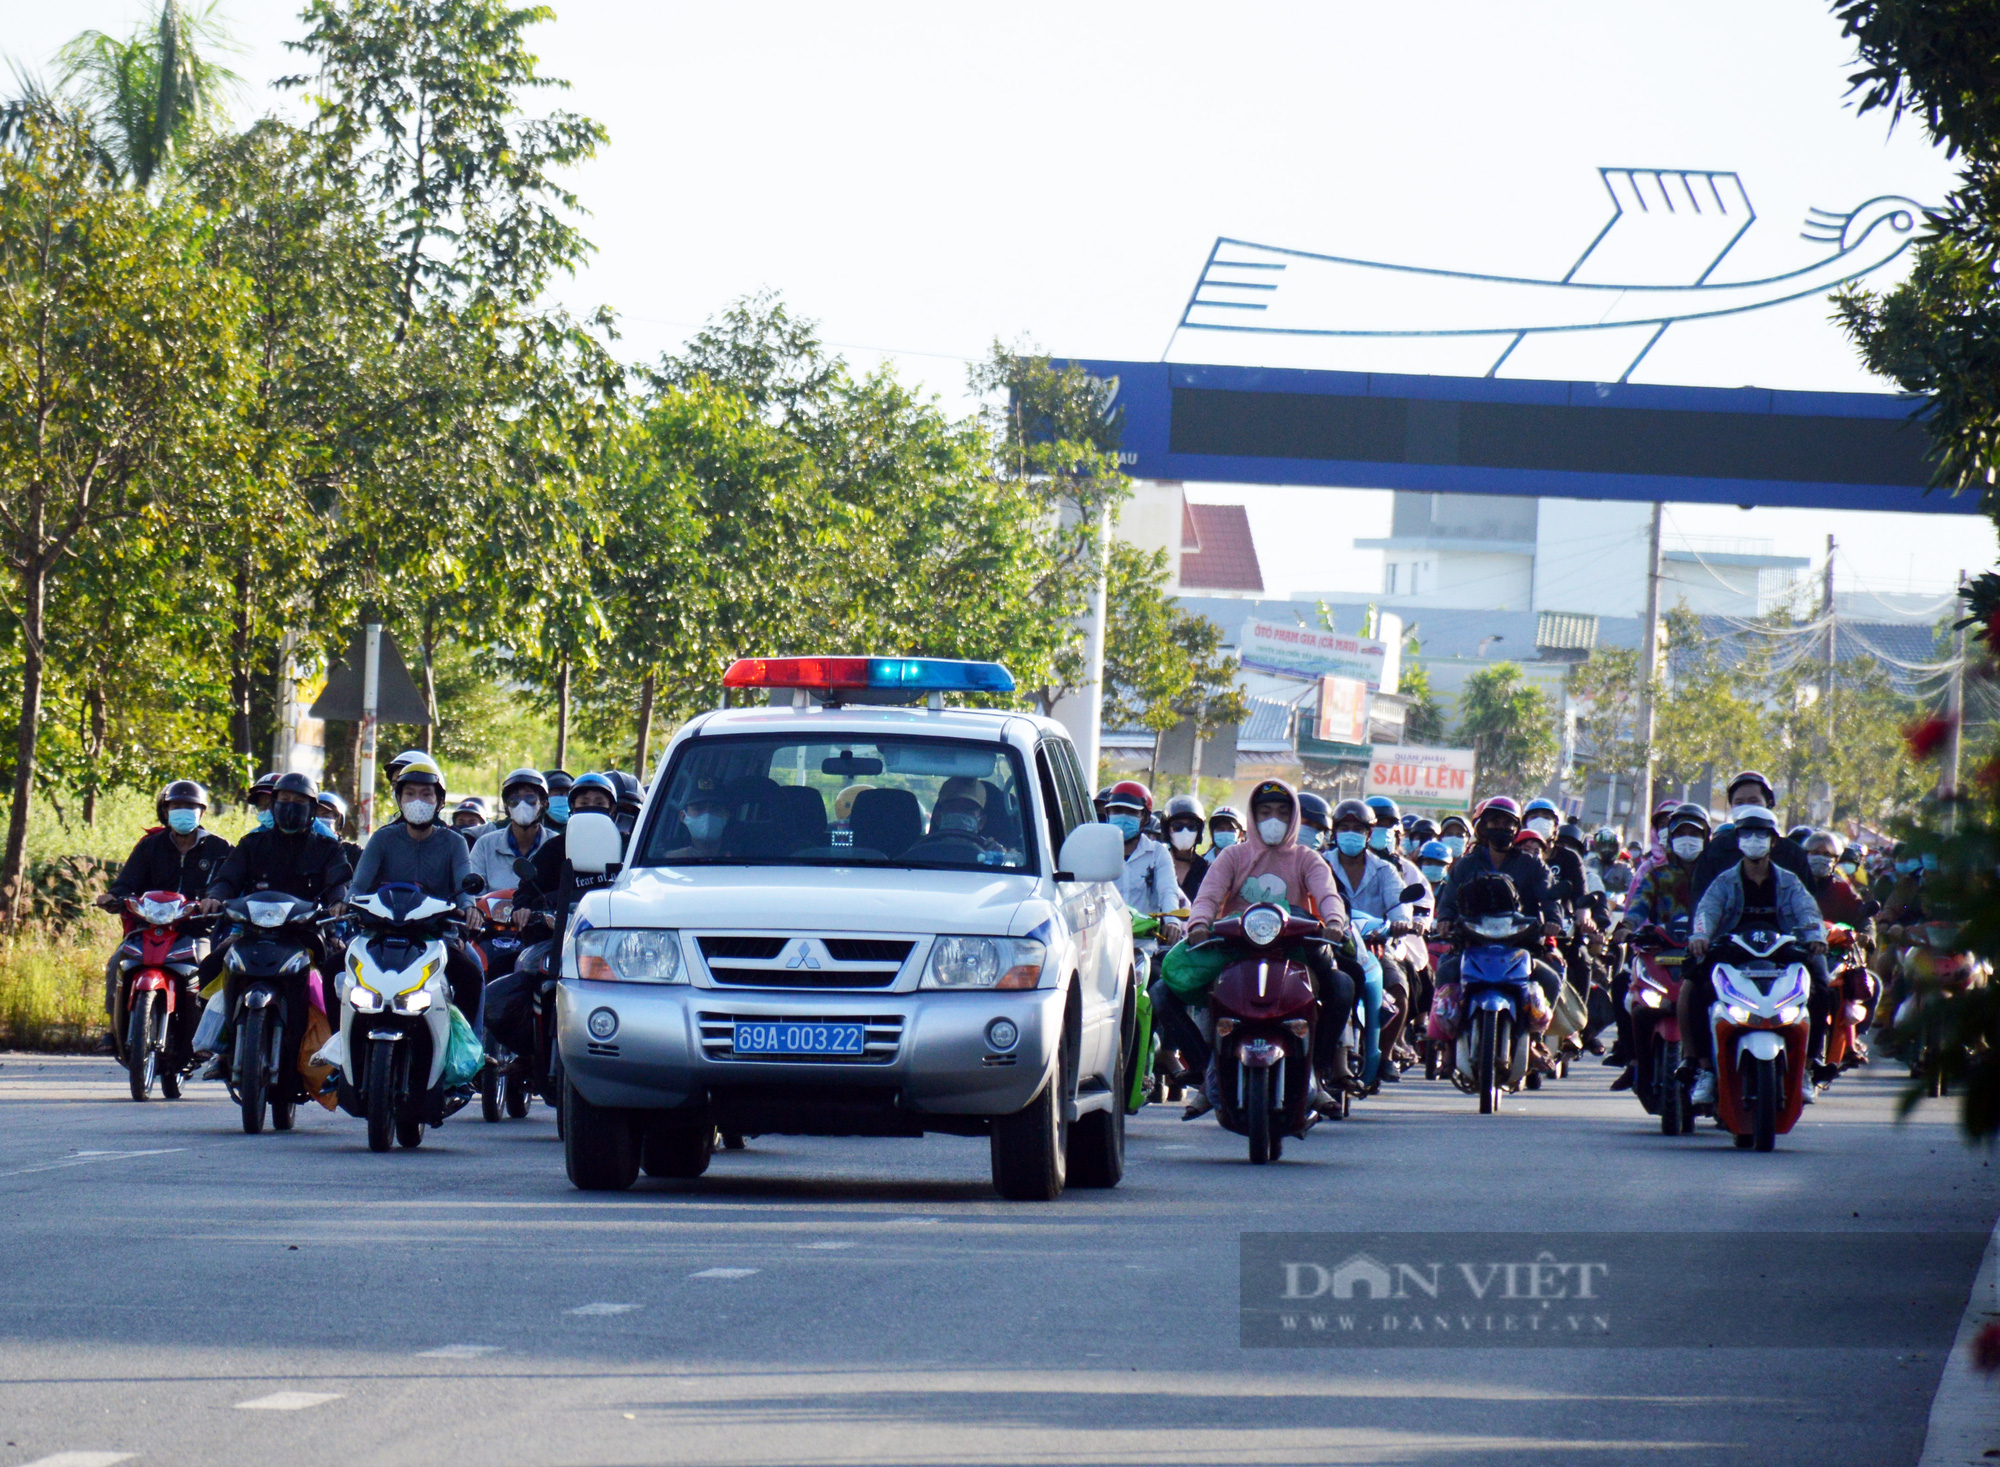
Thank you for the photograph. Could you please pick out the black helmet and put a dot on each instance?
(1353, 810)
(267, 785)
(559, 780)
(1184, 806)
(592, 782)
(180, 792)
(533, 778)
(1688, 814)
(328, 800)
(1423, 830)
(1751, 776)
(296, 784)
(1570, 835)
(1313, 812)
(1799, 833)
(292, 816)
(630, 797)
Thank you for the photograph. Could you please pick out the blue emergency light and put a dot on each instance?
(875, 674)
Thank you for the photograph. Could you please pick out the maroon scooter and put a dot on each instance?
(1265, 1014)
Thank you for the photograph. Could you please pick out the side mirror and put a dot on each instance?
(1092, 853)
(524, 868)
(592, 843)
(473, 885)
(1414, 892)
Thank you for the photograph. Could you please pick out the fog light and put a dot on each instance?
(1297, 1026)
(602, 1023)
(1002, 1034)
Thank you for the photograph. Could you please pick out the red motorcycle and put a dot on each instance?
(1856, 989)
(1265, 1012)
(1652, 997)
(156, 955)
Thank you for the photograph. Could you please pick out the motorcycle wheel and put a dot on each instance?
(1672, 1094)
(1764, 1105)
(251, 1071)
(379, 1095)
(142, 1061)
(170, 1083)
(1486, 1060)
(1257, 1118)
(283, 1110)
(518, 1097)
(489, 1091)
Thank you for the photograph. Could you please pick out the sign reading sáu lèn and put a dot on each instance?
(1429, 779)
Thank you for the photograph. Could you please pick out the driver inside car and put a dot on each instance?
(706, 819)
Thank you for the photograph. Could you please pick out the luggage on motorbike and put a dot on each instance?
(318, 1032)
(208, 1033)
(1570, 1015)
(1447, 1015)
(1540, 1014)
(464, 1055)
(1189, 974)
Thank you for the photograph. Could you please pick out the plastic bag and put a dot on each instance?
(333, 1053)
(1571, 1013)
(464, 1055)
(317, 1036)
(1189, 974)
(208, 1033)
(1447, 1013)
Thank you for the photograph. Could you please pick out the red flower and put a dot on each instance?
(1988, 777)
(1986, 1348)
(1927, 737)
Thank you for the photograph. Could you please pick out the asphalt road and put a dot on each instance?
(177, 1292)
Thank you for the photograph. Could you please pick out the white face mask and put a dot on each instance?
(1821, 865)
(419, 812)
(1273, 831)
(525, 812)
(1183, 839)
(1545, 826)
(1756, 847)
(1687, 847)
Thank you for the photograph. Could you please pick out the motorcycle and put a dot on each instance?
(396, 1016)
(1932, 968)
(1264, 1010)
(1652, 998)
(1761, 1023)
(157, 953)
(271, 975)
(503, 1089)
(1148, 1064)
(1435, 1044)
(1857, 991)
(1502, 1007)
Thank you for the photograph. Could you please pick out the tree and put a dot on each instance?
(1163, 665)
(1607, 688)
(1424, 721)
(153, 95)
(1512, 730)
(120, 375)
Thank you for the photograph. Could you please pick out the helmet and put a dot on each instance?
(1423, 829)
(1464, 827)
(843, 803)
(266, 785)
(1662, 810)
(1129, 792)
(1434, 850)
(1540, 807)
(180, 792)
(402, 761)
(1799, 833)
(532, 779)
(1604, 839)
(472, 805)
(1688, 814)
(1225, 812)
(1528, 833)
(1824, 843)
(1313, 811)
(1385, 810)
(630, 797)
(1751, 776)
(1101, 799)
(1498, 805)
(296, 784)
(1757, 818)
(328, 800)
(596, 782)
(1356, 810)
(420, 769)
(1570, 834)
(559, 780)
(1184, 807)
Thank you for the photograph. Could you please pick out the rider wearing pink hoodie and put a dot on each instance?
(1269, 863)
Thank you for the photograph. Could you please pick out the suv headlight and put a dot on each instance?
(985, 962)
(630, 955)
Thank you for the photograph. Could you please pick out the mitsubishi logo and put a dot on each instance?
(802, 956)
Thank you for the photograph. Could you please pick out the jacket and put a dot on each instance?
(157, 864)
(1197, 868)
(1530, 878)
(1839, 902)
(1663, 896)
(1148, 883)
(1286, 869)
(1721, 906)
(1379, 891)
(306, 865)
(493, 856)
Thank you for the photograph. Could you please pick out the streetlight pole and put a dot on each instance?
(1649, 659)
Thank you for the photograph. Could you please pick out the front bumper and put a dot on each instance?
(672, 1046)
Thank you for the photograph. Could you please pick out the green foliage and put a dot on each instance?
(1162, 664)
(154, 95)
(1511, 728)
(1425, 721)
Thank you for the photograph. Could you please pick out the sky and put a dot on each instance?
(926, 179)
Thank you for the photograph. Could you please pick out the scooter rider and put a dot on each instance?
(1373, 886)
(524, 795)
(422, 852)
(180, 855)
(1184, 820)
(559, 782)
(1225, 829)
(1498, 821)
(1149, 885)
(1838, 901)
(291, 857)
(1663, 898)
(469, 819)
(1456, 834)
(259, 797)
(333, 821)
(1755, 894)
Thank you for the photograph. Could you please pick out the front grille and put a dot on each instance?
(838, 963)
(741, 947)
(867, 950)
(884, 1035)
(802, 977)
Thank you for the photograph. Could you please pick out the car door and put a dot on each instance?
(1102, 970)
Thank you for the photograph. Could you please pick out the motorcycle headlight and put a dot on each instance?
(635, 955)
(1261, 925)
(364, 999)
(985, 962)
(1791, 1013)
(413, 1001)
(1736, 1013)
(1650, 997)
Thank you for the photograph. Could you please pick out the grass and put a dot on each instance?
(52, 988)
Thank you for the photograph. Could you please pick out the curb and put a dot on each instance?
(1965, 1413)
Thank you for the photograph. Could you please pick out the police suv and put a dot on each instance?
(853, 912)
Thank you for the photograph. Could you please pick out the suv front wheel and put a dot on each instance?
(600, 1144)
(1031, 1146)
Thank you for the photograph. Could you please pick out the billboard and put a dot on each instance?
(1266, 646)
(1343, 711)
(1424, 778)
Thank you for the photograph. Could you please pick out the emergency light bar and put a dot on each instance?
(856, 674)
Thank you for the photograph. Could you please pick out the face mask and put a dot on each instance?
(1433, 873)
(1756, 847)
(1737, 812)
(1378, 838)
(183, 822)
(419, 812)
(559, 808)
(1542, 826)
(292, 817)
(1312, 840)
(1849, 865)
(525, 812)
(1456, 845)
(1821, 865)
(706, 829)
(1183, 839)
(1351, 842)
(1930, 862)
(1273, 831)
(1223, 839)
(324, 827)
(1125, 825)
(959, 823)
(1687, 847)
(263, 819)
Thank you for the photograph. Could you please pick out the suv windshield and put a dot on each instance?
(951, 804)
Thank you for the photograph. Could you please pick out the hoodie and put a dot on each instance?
(1285, 869)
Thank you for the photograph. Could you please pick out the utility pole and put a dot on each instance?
(1826, 681)
(1649, 658)
(1956, 709)
(371, 701)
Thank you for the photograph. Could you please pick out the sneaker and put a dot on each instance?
(1824, 1074)
(1390, 1075)
(1811, 1094)
(1197, 1107)
(213, 1070)
(1624, 1080)
(1704, 1089)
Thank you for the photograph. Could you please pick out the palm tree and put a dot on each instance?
(153, 93)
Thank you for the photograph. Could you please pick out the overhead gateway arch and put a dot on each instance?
(1493, 435)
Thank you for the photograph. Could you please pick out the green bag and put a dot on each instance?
(1189, 974)
(464, 1055)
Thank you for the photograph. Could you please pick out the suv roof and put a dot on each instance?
(864, 718)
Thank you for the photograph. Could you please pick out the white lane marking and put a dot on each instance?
(459, 1352)
(82, 1459)
(828, 1244)
(912, 1222)
(602, 1309)
(723, 1273)
(84, 1158)
(288, 1401)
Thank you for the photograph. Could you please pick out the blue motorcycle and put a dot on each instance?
(1502, 1007)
